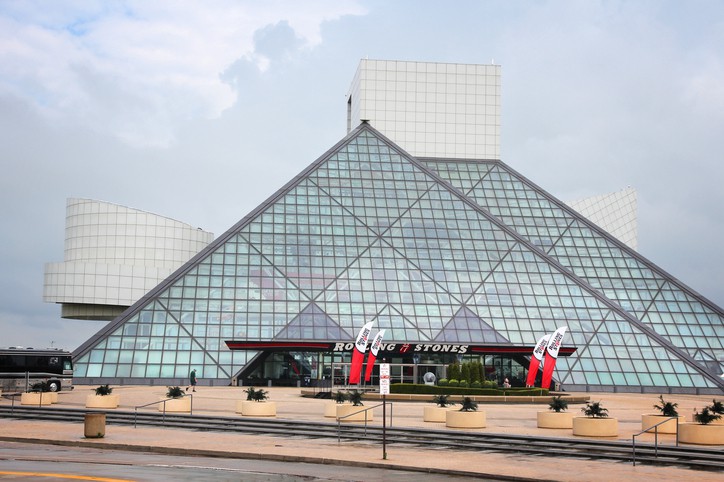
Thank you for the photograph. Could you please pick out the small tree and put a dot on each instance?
(706, 416)
(474, 373)
(254, 395)
(595, 410)
(250, 392)
(441, 400)
(453, 371)
(340, 397)
(468, 405)
(103, 390)
(260, 395)
(40, 387)
(355, 396)
(174, 392)
(717, 407)
(465, 374)
(667, 409)
(557, 404)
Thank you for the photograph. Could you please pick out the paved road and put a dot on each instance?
(36, 462)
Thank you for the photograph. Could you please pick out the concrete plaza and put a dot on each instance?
(501, 418)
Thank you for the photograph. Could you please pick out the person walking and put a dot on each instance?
(192, 380)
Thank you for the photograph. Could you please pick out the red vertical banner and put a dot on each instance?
(540, 349)
(358, 354)
(374, 349)
(554, 345)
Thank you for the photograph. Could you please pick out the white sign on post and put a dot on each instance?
(384, 378)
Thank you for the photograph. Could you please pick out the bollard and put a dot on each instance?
(95, 425)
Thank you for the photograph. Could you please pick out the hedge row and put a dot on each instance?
(410, 388)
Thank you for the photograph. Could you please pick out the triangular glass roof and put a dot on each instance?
(648, 293)
(368, 233)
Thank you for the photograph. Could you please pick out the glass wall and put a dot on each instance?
(369, 234)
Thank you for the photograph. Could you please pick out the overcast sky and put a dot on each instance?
(199, 111)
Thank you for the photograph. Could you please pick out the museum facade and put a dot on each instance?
(463, 256)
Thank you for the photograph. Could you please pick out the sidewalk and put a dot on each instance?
(512, 419)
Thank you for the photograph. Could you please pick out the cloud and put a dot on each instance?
(137, 69)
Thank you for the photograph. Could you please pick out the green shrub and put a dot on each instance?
(595, 410)
(453, 371)
(476, 384)
(103, 390)
(443, 382)
(254, 395)
(454, 382)
(717, 407)
(463, 383)
(40, 387)
(468, 405)
(411, 388)
(667, 409)
(490, 384)
(557, 404)
(340, 397)
(441, 400)
(355, 396)
(706, 416)
(465, 372)
(174, 392)
(260, 395)
(250, 392)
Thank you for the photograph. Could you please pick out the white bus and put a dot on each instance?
(20, 368)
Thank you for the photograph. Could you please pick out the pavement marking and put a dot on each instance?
(62, 476)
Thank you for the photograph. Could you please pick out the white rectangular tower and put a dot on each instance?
(430, 109)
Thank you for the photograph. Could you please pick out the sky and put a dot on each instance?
(199, 111)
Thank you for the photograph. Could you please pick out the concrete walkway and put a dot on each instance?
(502, 418)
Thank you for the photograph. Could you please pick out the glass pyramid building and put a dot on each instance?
(430, 250)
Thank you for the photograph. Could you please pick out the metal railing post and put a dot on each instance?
(365, 410)
(656, 437)
(656, 441)
(677, 431)
(163, 415)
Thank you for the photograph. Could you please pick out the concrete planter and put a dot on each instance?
(330, 409)
(35, 398)
(696, 433)
(182, 404)
(651, 419)
(435, 414)
(103, 401)
(551, 419)
(250, 408)
(343, 410)
(458, 419)
(595, 427)
(53, 396)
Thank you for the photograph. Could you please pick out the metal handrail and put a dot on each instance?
(12, 398)
(656, 437)
(163, 417)
(365, 410)
(20, 394)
